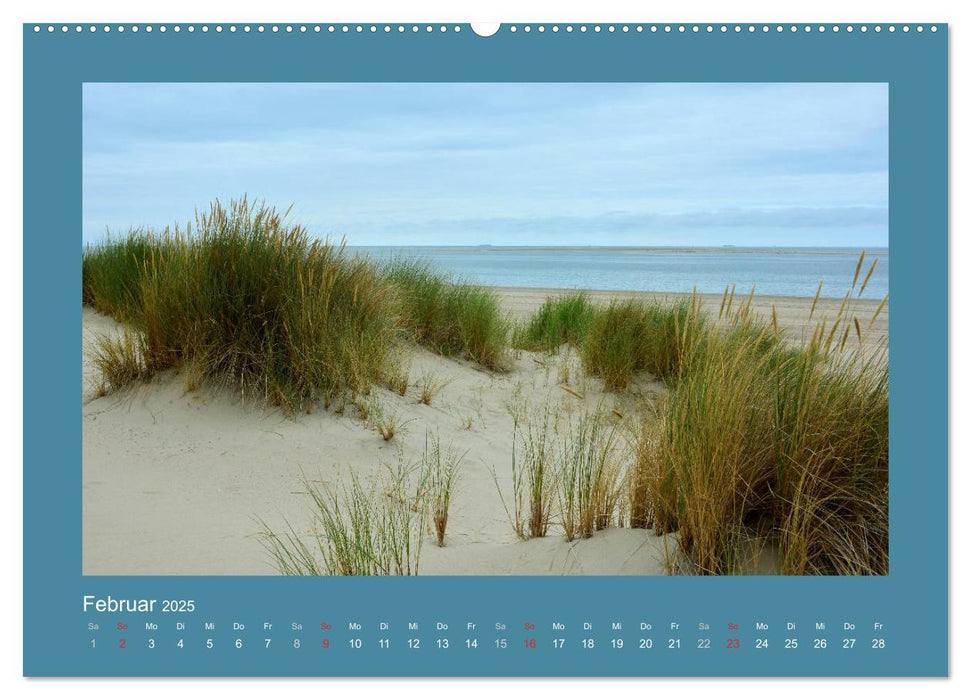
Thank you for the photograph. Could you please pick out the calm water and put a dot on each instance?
(782, 272)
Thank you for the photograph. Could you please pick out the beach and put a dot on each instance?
(179, 482)
(792, 313)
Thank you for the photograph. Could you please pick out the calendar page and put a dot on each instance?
(485, 350)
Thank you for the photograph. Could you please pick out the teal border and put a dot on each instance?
(912, 601)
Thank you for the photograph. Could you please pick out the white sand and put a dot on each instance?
(174, 482)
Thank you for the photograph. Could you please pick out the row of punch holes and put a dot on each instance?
(513, 28)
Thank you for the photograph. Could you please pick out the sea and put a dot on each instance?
(794, 272)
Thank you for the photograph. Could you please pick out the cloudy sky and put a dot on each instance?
(467, 164)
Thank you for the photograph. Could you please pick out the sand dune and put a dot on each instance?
(175, 482)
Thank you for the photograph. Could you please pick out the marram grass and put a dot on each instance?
(439, 473)
(371, 531)
(759, 445)
(111, 273)
(560, 320)
(565, 470)
(356, 531)
(629, 336)
(787, 445)
(252, 301)
(533, 472)
(619, 339)
(451, 317)
(591, 468)
(120, 360)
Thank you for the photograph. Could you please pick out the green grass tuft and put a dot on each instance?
(630, 336)
(251, 301)
(533, 474)
(440, 469)
(357, 531)
(451, 318)
(590, 471)
(111, 273)
(559, 320)
(573, 463)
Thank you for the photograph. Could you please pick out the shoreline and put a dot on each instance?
(758, 250)
(648, 293)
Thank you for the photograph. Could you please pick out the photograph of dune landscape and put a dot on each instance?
(485, 329)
